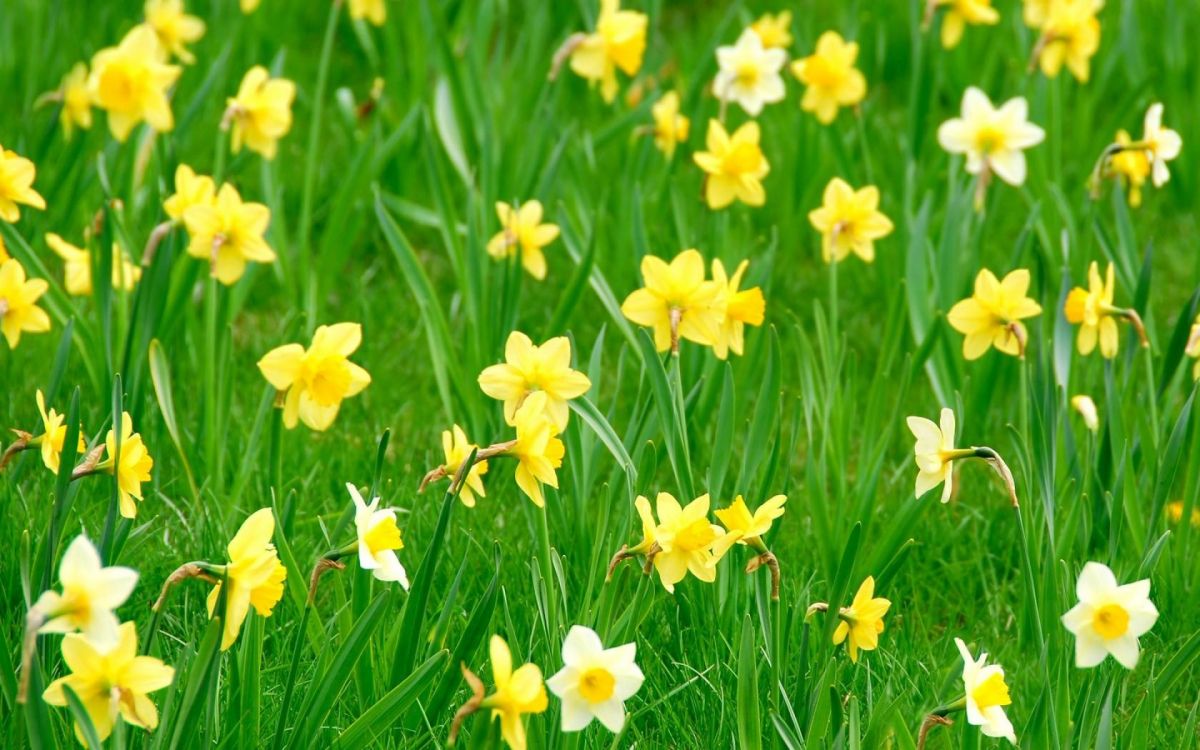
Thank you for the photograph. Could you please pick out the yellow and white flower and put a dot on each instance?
(90, 595)
(935, 453)
(1087, 410)
(378, 539)
(993, 139)
(1109, 618)
(986, 695)
(595, 682)
(1162, 144)
(749, 73)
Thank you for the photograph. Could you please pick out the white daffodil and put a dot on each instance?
(1109, 618)
(993, 139)
(90, 593)
(749, 73)
(594, 682)
(378, 539)
(1162, 144)
(934, 452)
(986, 694)
(1087, 409)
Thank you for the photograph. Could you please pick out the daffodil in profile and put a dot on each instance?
(254, 574)
(993, 139)
(677, 301)
(935, 453)
(76, 100)
(986, 695)
(1161, 143)
(670, 127)
(77, 265)
(19, 312)
(457, 448)
(378, 539)
(1086, 408)
(54, 435)
(131, 467)
(830, 78)
(686, 539)
(174, 27)
(862, 621)
(191, 189)
(618, 43)
(16, 186)
(130, 82)
(228, 233)
(372, 11)
(537, 448)
(774, 29)
(734, 166)
(518, 692)
(1131, 166)
(595, 681)
(110, 682)
(315, 381)
(523, 232)
(90, 595)
(1092, 309)
(1109, 618)
(529, 368)
(1070, 36)
(742, 307)
(744, 527)
(261, 112)
(961, 13)
(748, 73)
(849, 221)
(992, 316)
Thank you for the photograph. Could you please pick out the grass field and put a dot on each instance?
(382, 193)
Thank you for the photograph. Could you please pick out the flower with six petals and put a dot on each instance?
(618, 42)
(90, 595)
(992, 316)
(16, 186)
(742, 307)
(1109, 617)
(315, 381)
(595, 682)
(228, 233)
(830, 77)
(748, 73)
(523, 231)
(862, 621)
(130, 83)
(378, 539)
(677, 302)
(528, 369)
(849, 221)
(261, 112)
(734, 166)
(19, 312)
(254, 575)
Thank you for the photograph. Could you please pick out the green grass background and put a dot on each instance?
(814, 409)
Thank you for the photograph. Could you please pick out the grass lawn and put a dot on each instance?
(382, 194)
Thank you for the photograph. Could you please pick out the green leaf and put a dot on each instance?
(748, 722)
(376, 719)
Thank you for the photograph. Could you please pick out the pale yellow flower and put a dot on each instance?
(993, 139)
(1070, 35)
(523, 231)
(77, 267)
(677, 302)
(986, 695)
(618, 42)
(670, 127)
(316, 380)
(849, 221)
(261, 112)
(19, 312)
(174, 27)
(228, 233)
(734, 166)
(1087, 410)
(16, 186)
(1132, 166)
(76, 100)
(90, 595)
(1162, 144)
(830, 77)
(528, 369)
(1109, 618)
(959, 13)
(457, 448)
(130, 83)
(595, 682)
(935, 453)
(190, 190)
(774, 30)
(742, 307)
(992, 316)
(378, 539)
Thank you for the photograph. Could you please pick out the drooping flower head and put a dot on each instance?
(254, 574)
(748, 73)
(934, 451)
(1109, 618)
(993, 139)
(618, 42)
(677, 302)
(862, 621)
(734, 166)
(523, 232)
(130, 83)
(992, 316)
(261, 112)
(595, 682)
(670, 127)
(19, 312)
(316, 380)
(537, 448)
(16, 186)
(774, 30)
(831, 79)
(76, 100)
(77, 267)
(90, 596)
(174, 27)
(228, 233)
(528, 369)
(849, 221)
(133, 467)
(960, 13)
(518, 692)
(1093, 311)
(742, 307)
(54, 435)
(378, 539)
(986, 695)
(1132, 166)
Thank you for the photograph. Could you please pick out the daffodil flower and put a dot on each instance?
(774, 30)
(261, 112)
(131, 468)
(734, 166)
(518, 692)
(16, 186)
(595, 682)
(1093, 311)
(993, 139)
(670, 127)
(90, 596)
(1109, 618)
(677, 302)
(685, 541)
(130, 83)
(830, 78)
(54, 435)
(315, 381)
(959, 13)
(986, 695)
(1162, 144)
(19, 312)
(1132, 161)
(1087, 410)
(1174, 514)
(1070, 35)
(372, 11)
(748, 529)
(849, 221)
(191, 189)
(174, 27)
(457, 448)
(618, 43)
(748, 73)
(110, 682)
(935, 456)
(528, 369)
(742, 307)
(378, 539)
(862, 621)
(992, 316)
(538, 450)
(523, 232)
(1131, 165)
(76, 100)
(77, 267)
(254, 575)
(228, 233)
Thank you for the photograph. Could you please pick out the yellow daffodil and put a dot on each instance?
(1087, 410)
(1092, 310)
(1174, 513)
(618, 42)
(191, 189)
(374, 11)
(518, 692)
(959, 13)
(110, 682)
(90, 595)
(16, 186)
(174, 27)
(595, 682)
(775, 31)
(529, 368)
(19, 312)
(849, 221)
(130, 83)
(228, 233)
(261, 113)
(132, 469)
(677, 302)
(537, 448)
(316, 380)
(76, 100)
(742, 307)
(1132, 167)
(254, 574)
(54, 435)
(986, 695)
(248, 6)
(734, 166)
(524, 232)
(670, 127)
(935, 453)
(748, 73)
(685, 539)
(862, 621)
(1070, 35)
(992, 139)
(457, 449)
(378, 539)
(744, 527)
(992, 316)
(77, 264)
(830, 77)
(1109, 618)
(1161, 144)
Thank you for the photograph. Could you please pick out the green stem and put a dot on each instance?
(833, 298)
(290, 687)
(211, 304)
(547, 570)
(1152, 395)
(277, 455)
